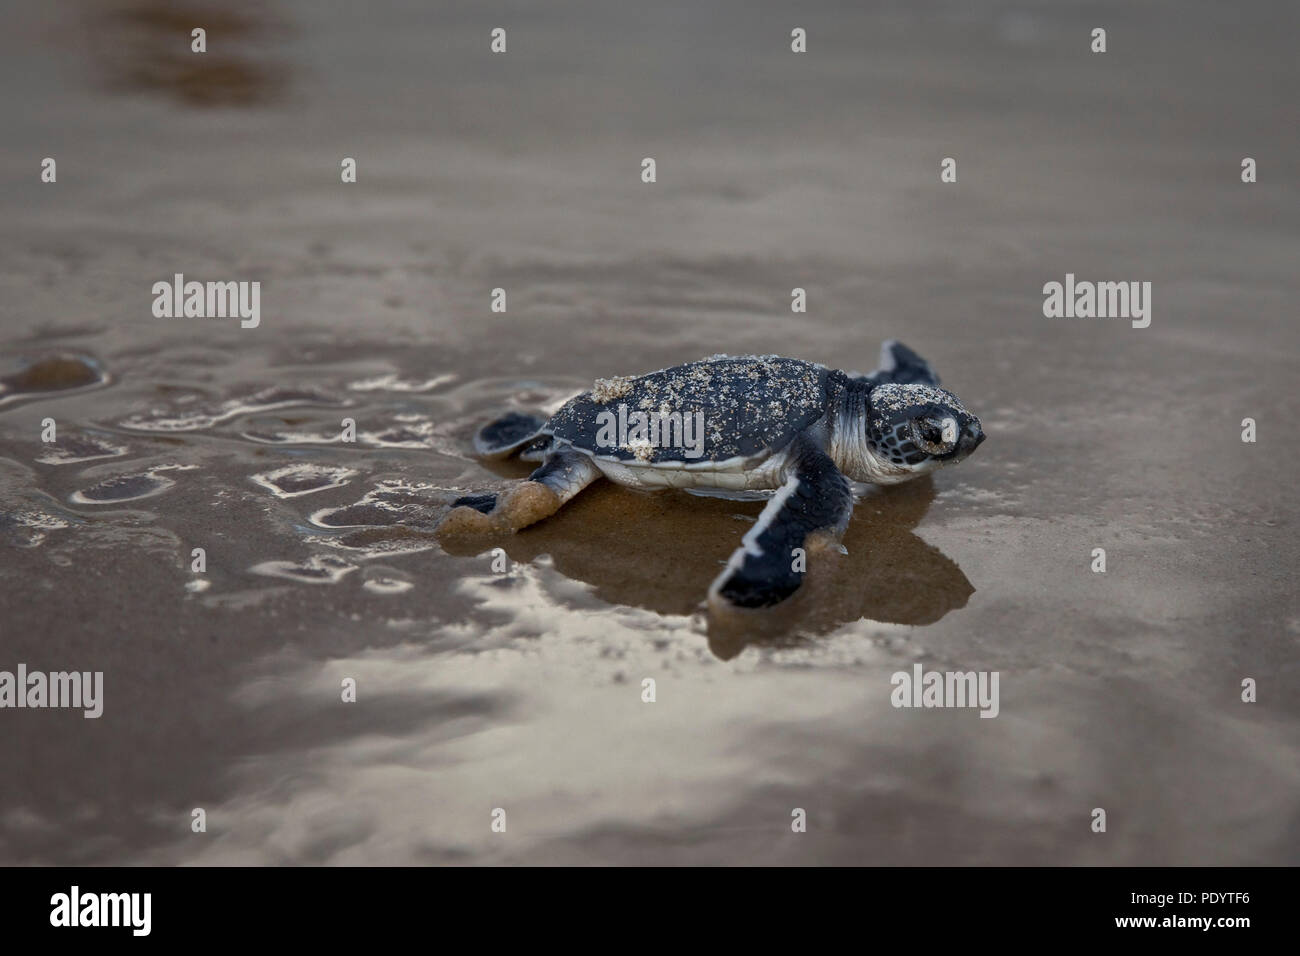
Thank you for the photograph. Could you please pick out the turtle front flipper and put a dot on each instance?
(565, 473)
(899, 365)
(509, 433)
(813, 504)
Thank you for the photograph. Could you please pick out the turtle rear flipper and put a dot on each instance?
(565, 473)
(899, 365)
(506, 435)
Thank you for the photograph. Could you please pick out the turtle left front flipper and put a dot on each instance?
(815, 500)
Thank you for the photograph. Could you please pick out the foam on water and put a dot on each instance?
(392, 383)
(367, 543)
(384, 580)
(75, 449)
(293, 481)
(27, 529)
(390, 502)
(173, 420)
(403, 430)
(317, 569)
(130, 487)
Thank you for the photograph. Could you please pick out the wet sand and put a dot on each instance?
(479, 690)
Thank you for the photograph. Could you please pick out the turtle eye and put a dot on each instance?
(933, 436)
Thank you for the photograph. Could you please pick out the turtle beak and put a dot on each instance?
(972, 436)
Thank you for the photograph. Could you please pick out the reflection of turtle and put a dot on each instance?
(889, 574)
(736, 424)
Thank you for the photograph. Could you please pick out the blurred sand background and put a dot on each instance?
(522, 171)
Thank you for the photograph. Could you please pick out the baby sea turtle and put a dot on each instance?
(735, 424)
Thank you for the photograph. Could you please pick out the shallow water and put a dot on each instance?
(522, 690)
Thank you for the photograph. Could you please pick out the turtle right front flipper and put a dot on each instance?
(765, 569)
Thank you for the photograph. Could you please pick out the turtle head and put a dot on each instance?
(912, 430)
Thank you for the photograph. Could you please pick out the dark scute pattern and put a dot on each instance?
(751, 406)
